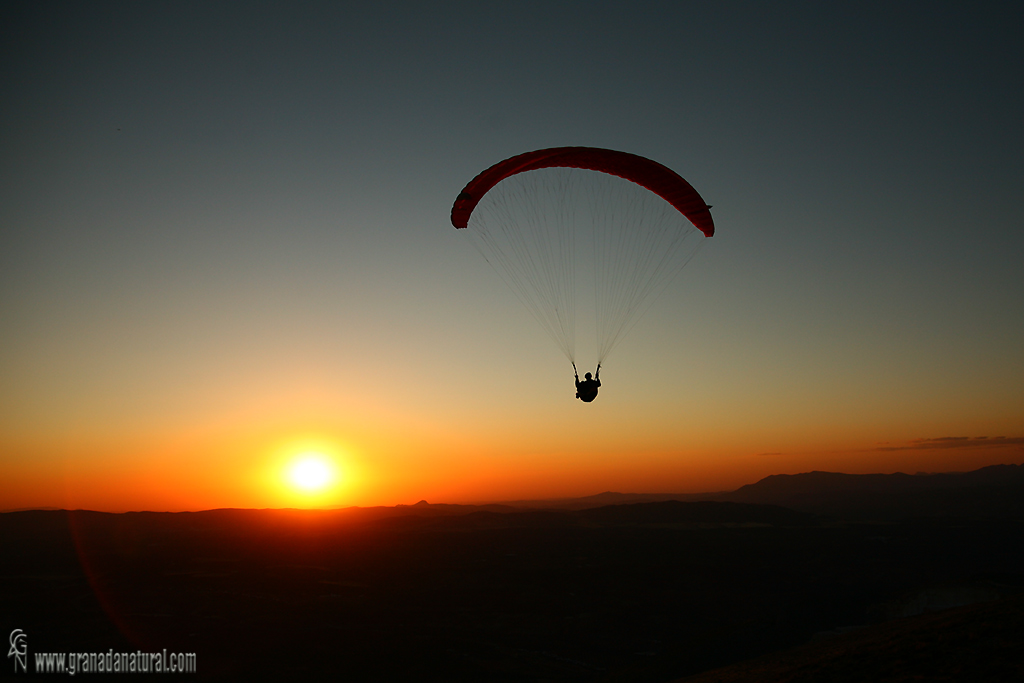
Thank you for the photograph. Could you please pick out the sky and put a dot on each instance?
(225, 243)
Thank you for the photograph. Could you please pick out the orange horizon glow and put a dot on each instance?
(387, 447)
(323, 470)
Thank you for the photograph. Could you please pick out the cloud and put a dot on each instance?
(957, 442)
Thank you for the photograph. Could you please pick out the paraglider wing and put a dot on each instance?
(640, 224)
(660, 180)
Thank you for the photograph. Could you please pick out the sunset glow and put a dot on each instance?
(229, 275)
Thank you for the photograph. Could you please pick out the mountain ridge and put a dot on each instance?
(995, 490)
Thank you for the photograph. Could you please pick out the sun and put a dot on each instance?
(311, 472)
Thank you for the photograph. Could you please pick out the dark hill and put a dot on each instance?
(641, 592)
(706, 512)
(671, 513)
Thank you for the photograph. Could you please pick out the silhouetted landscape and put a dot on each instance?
(816, 576)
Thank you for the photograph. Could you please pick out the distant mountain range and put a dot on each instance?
(994, 491)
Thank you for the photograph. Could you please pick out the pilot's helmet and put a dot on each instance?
(587, 375)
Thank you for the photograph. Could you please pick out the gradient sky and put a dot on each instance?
(225, 240)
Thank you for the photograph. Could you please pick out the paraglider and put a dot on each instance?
(640, 221)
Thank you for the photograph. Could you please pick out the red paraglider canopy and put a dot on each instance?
(660, 180)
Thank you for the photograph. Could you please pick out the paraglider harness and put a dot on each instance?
(586, 390)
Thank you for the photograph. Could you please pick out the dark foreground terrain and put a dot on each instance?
(980, 642)
(640, 592)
